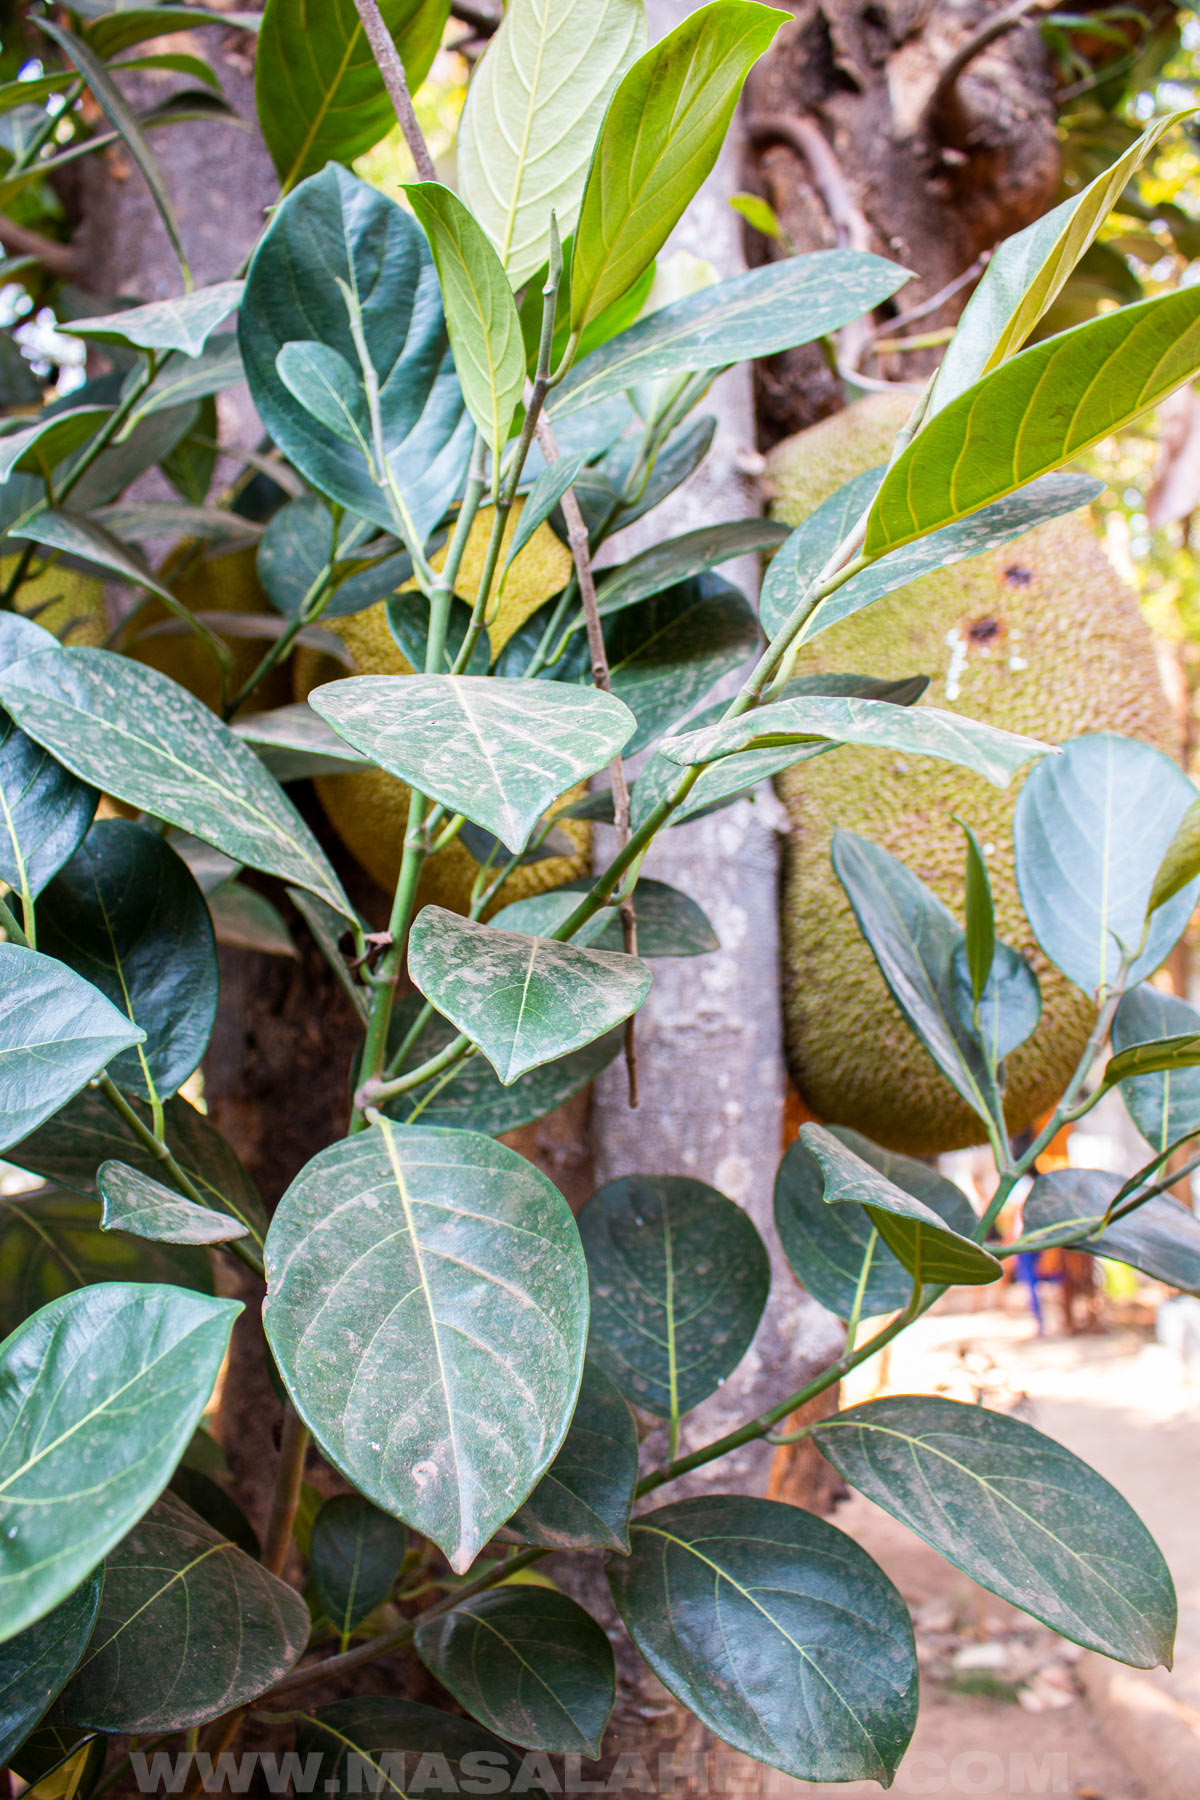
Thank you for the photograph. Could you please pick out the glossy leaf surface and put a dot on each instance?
(427, 1309)
(37, 1663)
(44, 809)
(584, 1499)
(144, 1208)
(667, 653)
(1165, 1107)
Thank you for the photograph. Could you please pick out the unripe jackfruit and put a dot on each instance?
(1039, 636)
(369, 811)
(61, 601)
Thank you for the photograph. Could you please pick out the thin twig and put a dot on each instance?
(387, 58)
(903, 320)
(805, 136)
(966, 53)
(577, 537)
(19, 240)
(285, 1500)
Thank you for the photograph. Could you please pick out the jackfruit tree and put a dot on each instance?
(404, 633)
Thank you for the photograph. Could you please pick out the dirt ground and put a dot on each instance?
(1008, 1708)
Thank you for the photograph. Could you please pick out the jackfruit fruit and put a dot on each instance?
(61, 601)
(369, 810)
(1040, 636)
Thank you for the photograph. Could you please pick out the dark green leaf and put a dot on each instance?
(56, 1032)
(497, 750)
(355, 1552)
(678, 559)
(1035, 413)
(1091, 827)
(601, 487)
(144, 1208)
(1161, 1238)
(1010, 1007)
(204, 1496)
(296, 554)
(145, 739)
(333, 228)
(679, 1279)
(1021, 1515)
(52, 1243)
(667, 653)
(189, 1627)
(184, 380)
(802, 557)
(660, 138)
(184, 323)
(46, 811)
(119, 28)
(1164, 1107)
(433, 1342)
(777, 1631)
(583, 1501)
(247, 920)
(826, 1245)
(408, 622)
(112, 1380)
(541, 501)
(38, 449)
(319, 96)
(523, 1000)
(147, 521)
(394, 1744)
(126, 914)
(912, 1231)
(668, 922)
(766, 310)
(528, 1663)
(36, 1664)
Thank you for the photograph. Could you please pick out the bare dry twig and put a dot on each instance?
(387, 58)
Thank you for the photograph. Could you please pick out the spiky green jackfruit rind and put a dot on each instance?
(1040, 636)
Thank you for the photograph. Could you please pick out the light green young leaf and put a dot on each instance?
(1035, 413)
(1015, 1511)
(185, 323)
(524, 1000)
(914, 731)
(318, 93)
(1157, 1058)
(912, 1231)
(140, 736)
(427, 1308)
(1181, 864)
(38, 449)
(661, 136)
(1030, 269)
(137, 1204)
(481, 314)
(497, 750)
(980, 916)
(533, 109)
(113, 1380)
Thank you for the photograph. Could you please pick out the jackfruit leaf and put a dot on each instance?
(355, 1552)
(70, 1148)
(914, 940)
(294, 743)
(1162, 1057)
(528, 1663)
(144, 521)
(1161, 1238)
(125, 913)
(189, 1626)
(777, 1631)
(319, 96)
(246, 920)
(113, 1380)
(980, 916)
(296, 558)
(669, 923)
(679, 1280)
(601, 487)
(141, 737)
(584, 1499)
(36, 1664)
(368, 1734)
(828, 1245)
(758, 313)
(1017, 1513)
(523, 1001)
(533, 110)
(319, 379)
(183, 380)
(481, 314)
(1033, 414)
(541, 501)
(1181, 864)
(912, 1231)
(56, 1032)
(144, 1208)
(733, 777)
(124, 121)
(434, 1342)
(498, 750)
(801, 557)
(678, 559)
(665, 654)
(38, 449)
(112, 32)
(1010, 1007)
(485, 848)
(52, 1243)
(1029, 270)
(924, 731)
(661, 136)
(474, 1098)
(408, 622)
(46, 811)
(184, 323)
(335, 229)
(1164, 1106)
(1091, 826)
